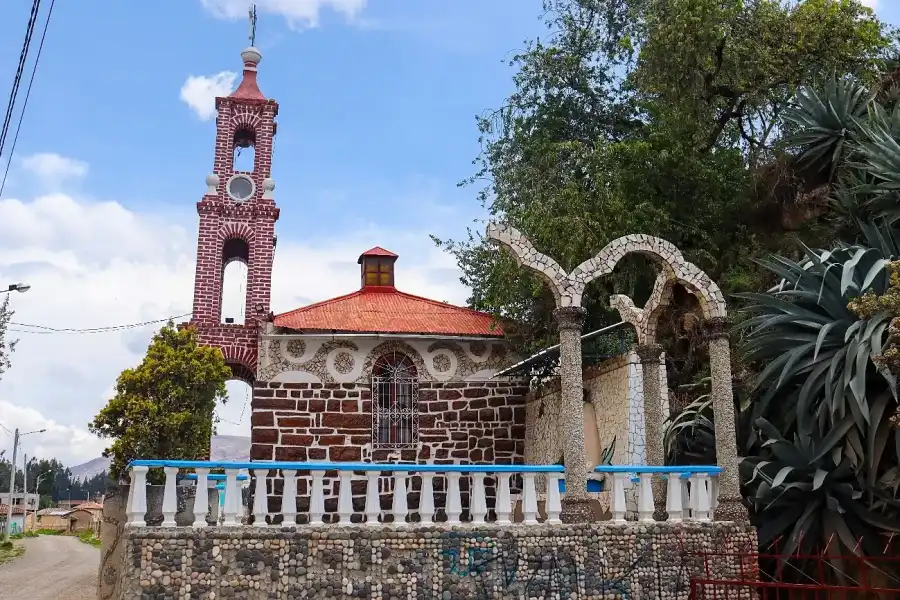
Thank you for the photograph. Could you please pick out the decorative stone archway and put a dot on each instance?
(568, 291)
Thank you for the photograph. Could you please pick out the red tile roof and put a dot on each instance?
(377, 251)
(17, 510)
(388, 310)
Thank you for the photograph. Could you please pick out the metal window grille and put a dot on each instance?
(395, 404)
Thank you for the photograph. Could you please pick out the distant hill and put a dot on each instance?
(224, 447)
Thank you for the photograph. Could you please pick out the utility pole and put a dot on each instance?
(12, 483)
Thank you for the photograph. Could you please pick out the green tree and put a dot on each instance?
(611, 131)
(164, 407)
(6, 347)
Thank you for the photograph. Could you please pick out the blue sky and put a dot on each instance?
(376, 127)
(374, 113)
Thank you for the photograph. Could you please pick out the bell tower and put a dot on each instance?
(237, 221)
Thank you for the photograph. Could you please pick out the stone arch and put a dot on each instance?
(526, 255)
(242, 361)
(245, 117)
(674, 268)
(245, 135)
(238, 230)
(387, 348)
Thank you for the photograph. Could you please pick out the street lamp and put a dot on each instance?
(12, 480)
(16, 287)
(37, 488)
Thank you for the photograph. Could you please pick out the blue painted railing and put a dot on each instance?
(691, 491)
(348, 466)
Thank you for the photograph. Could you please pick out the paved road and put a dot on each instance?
(52, 568)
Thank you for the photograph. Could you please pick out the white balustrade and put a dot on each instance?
(691, 493)
(289, 498)
(553, 505)
(503, 508)
(260, 497)
(426, 499)
(201, 498)
(673, 497)
(170, 502)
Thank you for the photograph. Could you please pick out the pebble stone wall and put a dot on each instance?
(549, 561)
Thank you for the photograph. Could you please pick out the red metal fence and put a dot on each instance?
(773, 575)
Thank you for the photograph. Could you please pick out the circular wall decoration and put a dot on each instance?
(441, 363)
(343, 363)
(240, 188)
(296, 348)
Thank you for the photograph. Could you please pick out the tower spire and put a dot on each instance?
(249, 88)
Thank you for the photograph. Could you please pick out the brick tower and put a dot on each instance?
(237, 222)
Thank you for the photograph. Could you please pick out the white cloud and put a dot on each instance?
(52, 168)
(199, 92)
(870, 3)
(72, 441)
(297, 13)
(96, 264)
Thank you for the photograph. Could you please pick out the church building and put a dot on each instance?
(377, 374)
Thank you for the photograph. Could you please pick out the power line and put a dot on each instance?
(20, 69)
(44, 329)
(37, 59)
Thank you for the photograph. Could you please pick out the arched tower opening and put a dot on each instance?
(235, 260)
(243, 145)
(232, 439)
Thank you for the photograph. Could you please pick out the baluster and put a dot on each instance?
(454, 499)
(138, 497)
(478, 504)
(673, 497)
(201, 498)
(645, 497)
(529, 499)
(345, 498)
(553, 502)
(170, 503)
(399, 507)
(232, 498)
(618, 507)
(713, 494)
(289, 499)
(373, 498)
(702, 497)
(685, 496)
(426, 499)
(317, 499)
(504, 500)
(260, 497)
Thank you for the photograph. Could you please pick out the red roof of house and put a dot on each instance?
(388, 310)
(385, 309)
(16, 510)
(377, 251)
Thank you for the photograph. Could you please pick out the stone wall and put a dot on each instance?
(459, 423)
(464, 422)
(565, 561)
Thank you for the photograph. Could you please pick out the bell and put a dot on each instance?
(243, 139)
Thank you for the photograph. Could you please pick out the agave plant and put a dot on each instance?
(824, 122)
(844, 130)
(689, 434)
(821, 403)
(812, 494)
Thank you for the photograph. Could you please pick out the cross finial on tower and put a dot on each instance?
(252, 12)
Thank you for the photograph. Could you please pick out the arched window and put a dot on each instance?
(395, 402)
